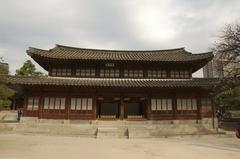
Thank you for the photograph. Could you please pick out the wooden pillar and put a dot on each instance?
(148, 102)
(40, 106)
(25, 104)
(94, 108)
(213, 110)
(121, 108)
(148, 109)
(199, 107)
(174, 106)
(68, 106)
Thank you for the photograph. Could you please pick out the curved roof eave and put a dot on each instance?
(65, 53)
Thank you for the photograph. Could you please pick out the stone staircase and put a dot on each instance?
(139, 132)
(111, 129)
(112, 132)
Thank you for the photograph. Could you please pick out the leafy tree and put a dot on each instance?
(5, 91)
(228, 93)
(228, 49)
(28, 69)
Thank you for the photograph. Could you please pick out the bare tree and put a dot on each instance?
(228, 45)
(227, 49)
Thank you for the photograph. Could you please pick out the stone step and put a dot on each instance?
(29, 120)
(109, 122)
(50, 129)
(2, 115)
(117, 123)
(10, 118)
(139, 132)
(112, 132)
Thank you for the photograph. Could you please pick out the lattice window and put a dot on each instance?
(81, 103)
(133, 73)
(179, 74)
(186, 104)
(54, 103)
(61, 72)
(109, 72)
(157, 73)
(161, 104)
(86, 72)
(32, 103)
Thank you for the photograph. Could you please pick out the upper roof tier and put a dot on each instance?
(60, 52)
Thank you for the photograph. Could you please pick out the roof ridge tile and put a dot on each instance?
(117, 50)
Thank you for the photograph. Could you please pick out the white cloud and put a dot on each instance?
(111, 24)
(155, 22)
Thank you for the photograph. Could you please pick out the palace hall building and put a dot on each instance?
(117, 84)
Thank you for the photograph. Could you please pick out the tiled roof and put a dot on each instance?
(66, 52)
(109, 82)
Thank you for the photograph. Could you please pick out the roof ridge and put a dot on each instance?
(114, 79)
(34, 48)
(209, 52)
(123, 50)
(121, 79)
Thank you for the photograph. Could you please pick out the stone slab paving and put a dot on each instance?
(17, 146)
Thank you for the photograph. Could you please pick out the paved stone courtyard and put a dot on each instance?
(15, 146)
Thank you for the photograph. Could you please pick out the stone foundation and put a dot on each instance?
(123, 128)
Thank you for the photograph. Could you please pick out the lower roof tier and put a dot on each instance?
(110, 82)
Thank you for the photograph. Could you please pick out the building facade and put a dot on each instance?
(117, 84)
(219, 68)
(5, 66)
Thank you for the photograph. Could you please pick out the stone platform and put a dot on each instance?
(109, 129)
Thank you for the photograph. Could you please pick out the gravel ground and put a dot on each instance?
(15, 146)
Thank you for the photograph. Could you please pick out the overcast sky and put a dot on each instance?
(111, 24)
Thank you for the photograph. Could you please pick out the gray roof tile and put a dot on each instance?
(72, 53)
(109, 82)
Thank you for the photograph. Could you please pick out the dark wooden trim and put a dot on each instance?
(94, 107)
(110, 94)
(121, 66)
(121, 108)
(199, 107)
(40, 105)
(148, 107)
(174, 105)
